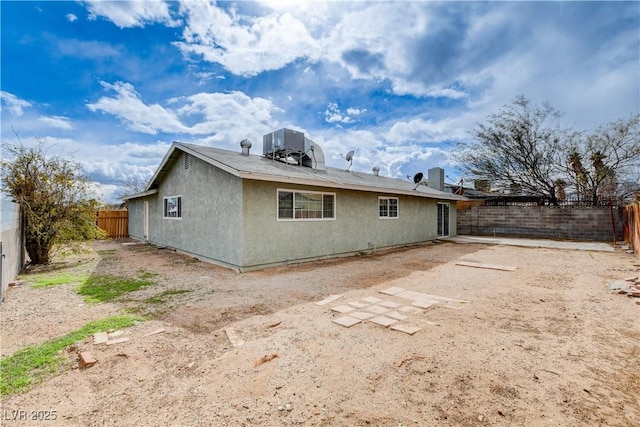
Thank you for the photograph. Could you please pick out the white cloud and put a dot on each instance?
(373, 147)
(355, 111)
(224, 118)
(71, 17)
(14, 104)
(126, 14)
(88, 49)
(425, 131)
(333, 114)
(217, 112)
(244, 45)
(132, 111)
(124, 163)
(59, 122)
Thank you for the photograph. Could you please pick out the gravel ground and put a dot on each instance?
(546, 344)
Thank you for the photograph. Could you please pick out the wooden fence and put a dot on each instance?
(115, 223)
(631, 230)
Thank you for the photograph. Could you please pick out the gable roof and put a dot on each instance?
(263, 169)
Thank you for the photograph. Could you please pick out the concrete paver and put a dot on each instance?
(362, 315)
(383, 320)
(377, 309)
(358, 304)
(342, 309)
(328, 299)
(346, 321)
(389, 304)
(410, 309)
(100, 338)
(396, 315)
(406, 328)
(393, 291)
(423, 304)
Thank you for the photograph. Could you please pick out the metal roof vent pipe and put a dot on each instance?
(376, 170)
(245, 144)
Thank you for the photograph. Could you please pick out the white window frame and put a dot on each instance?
(387, 216)
(446, 220)
(179, 207)
(287, 190)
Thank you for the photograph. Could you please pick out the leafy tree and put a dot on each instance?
(55, 198)
(521, 147)
(606, 162)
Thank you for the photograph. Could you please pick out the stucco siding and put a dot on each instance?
(136, 217)
(356, 227)
(234, 221)
(210, 226)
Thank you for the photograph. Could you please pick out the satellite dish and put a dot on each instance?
(417, 178)
(458, 188)
(349, 158)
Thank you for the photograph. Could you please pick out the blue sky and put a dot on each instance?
(113, 83)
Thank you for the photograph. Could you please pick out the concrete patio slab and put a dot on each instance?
(535, 243)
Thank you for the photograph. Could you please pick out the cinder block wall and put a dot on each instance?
(541, 222)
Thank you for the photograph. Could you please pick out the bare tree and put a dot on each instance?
(606, 162)
(521, 146)
(131, 185)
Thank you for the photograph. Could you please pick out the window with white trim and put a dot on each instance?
(303, 205)
(388, 207)
(173, 207)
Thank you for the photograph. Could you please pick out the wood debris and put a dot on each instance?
(487, 266)
(629, 287)
(264, 359)
(156, 331)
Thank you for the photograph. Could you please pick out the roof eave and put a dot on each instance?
(141, 194)
(177, 145)
(333, 184)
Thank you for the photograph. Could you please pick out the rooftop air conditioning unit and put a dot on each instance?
(287, 145)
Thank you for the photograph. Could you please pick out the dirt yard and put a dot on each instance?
(544, 345)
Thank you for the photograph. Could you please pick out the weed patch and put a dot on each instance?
(144, 274)
(160, 298)
(106, 252)
(100, 288)
(44, 281)
(32, 365)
